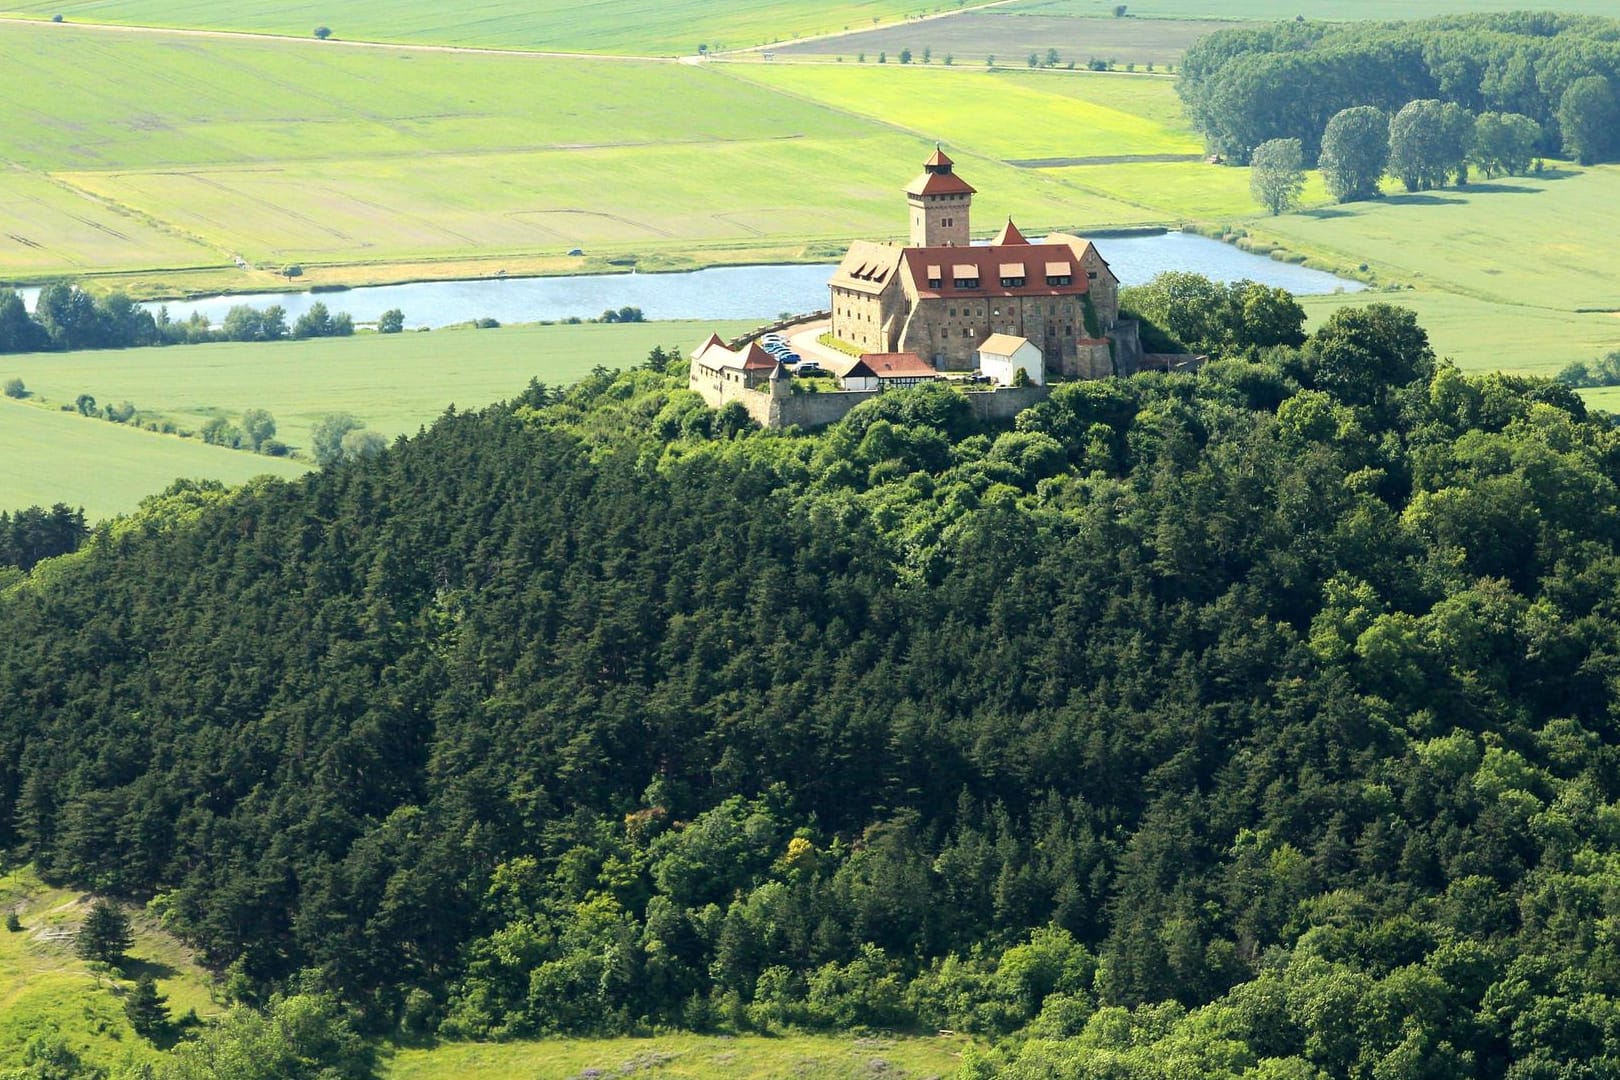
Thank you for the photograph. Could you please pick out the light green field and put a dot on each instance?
(290, 152)
(1336, 10)
(45, 226)
(995, 114)
(1180, 190)
(1483, 335)
(43, 986)
(687, 1057)
(104, 467)
(641, 27)
(395, 383)
(1530, 241)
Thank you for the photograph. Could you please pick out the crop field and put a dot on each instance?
(687, 1057)
(639, 27)
(1179, 190)
(44, 986)
(975, 36)
(47, 227)
(1333, 10)
(996, 115)
(1531, 241)
(395, 383)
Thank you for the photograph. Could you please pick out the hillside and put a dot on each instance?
(1252, 724)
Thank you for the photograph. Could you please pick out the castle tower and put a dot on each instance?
(939, 201)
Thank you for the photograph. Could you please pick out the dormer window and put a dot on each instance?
(1058, 279)
(1012, 282)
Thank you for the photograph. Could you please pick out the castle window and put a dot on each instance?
(966, 283)
(1057, 279)
(1012, 282)
(1092, 274)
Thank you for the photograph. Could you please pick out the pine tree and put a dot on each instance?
(148, 1010)
(104, 935)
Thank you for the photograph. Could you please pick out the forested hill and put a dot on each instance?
(1258, 720)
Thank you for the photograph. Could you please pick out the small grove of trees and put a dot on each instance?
(1601, 372)
(1589, 117)
(318, 322)
(622, 315)
(391, 321)
(1277, 174)
(343, 437)
(1183, 311)
(1429, 142)
(1504, 143)
(15, 388)
(255, 431)
(244, 323)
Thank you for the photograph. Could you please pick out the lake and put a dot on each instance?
(728, 292)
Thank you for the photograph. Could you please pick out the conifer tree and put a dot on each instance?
(104, 935)
(148, 1010)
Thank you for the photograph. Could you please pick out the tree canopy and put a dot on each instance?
(1257, 722)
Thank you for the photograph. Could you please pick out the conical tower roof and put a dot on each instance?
(1008, 235)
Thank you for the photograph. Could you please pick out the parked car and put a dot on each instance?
(809, 369)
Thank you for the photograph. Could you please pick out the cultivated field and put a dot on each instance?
(1001, 115)
(1335, 10)
(639, 27)
(974, 37)
(687, 1057)
(43, 986)
(395, 383)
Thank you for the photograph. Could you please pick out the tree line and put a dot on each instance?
(1246, 86)
(1256, 723)
(66, 317)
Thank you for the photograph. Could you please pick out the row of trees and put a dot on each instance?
(66, 317)
(1244, 87)
(36, 533)
(1425, 145)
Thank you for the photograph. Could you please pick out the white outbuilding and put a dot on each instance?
(1002, 355)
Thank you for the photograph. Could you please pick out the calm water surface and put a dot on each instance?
(731, 292)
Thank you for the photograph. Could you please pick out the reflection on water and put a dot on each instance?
(729, 292)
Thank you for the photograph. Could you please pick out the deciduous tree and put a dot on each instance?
(1277, 174)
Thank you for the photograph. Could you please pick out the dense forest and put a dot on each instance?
(1244, 86)
(1254, 723)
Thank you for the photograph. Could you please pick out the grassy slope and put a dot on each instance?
(106, 468)
(686, 1057)
(394, 383)
(43, 986)
(642, 27)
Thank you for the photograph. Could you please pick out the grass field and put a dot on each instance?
(395, 383)
(640, 27)
(1485, 335)
(998, 115)
(687, 1057)
(1528, 241)
(43, 986)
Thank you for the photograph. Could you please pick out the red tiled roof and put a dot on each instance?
(1008, 235)
(985, 265)
(932, 183)
(937, 158)
(898, 365)
(714, 339)
(757, 359)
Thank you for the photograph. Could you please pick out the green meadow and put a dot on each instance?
(45, 988)
(107, 468)
(688, 1057)
(641, 27)
(997, 114)
(395, 383)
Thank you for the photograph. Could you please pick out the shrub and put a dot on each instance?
(323, 32)
(14, 388)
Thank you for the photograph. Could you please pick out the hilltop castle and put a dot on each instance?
(1011, 313)
(941, 298)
